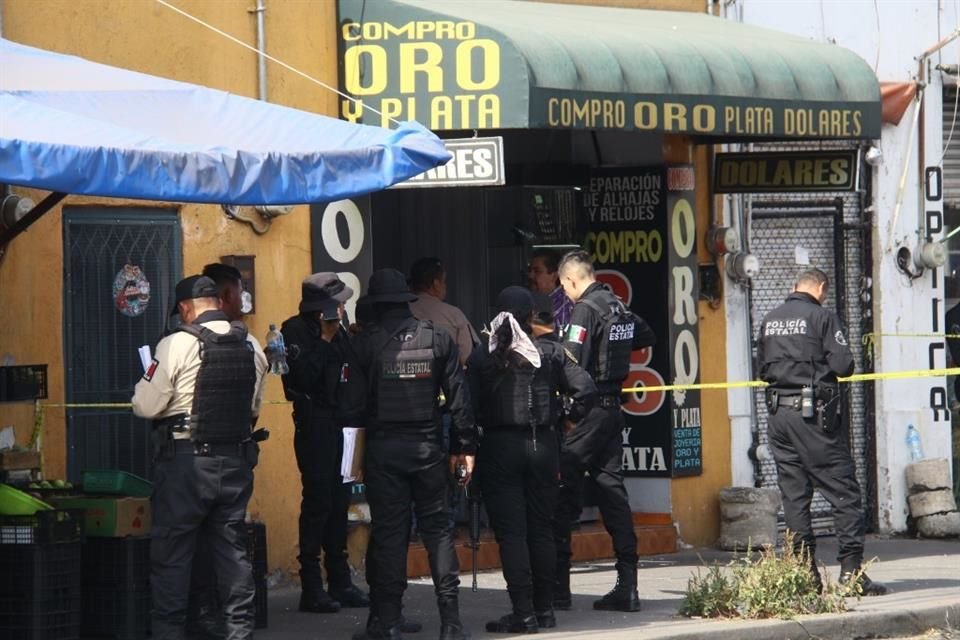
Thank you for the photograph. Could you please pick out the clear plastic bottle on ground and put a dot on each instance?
(913, 443)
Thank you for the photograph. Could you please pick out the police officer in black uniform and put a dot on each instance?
(407, 362)
(515, 384)
(203, 392)
(801, 351)
(327, 395)
(601, 334)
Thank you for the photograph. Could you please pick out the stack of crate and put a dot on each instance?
(40, 576)
(116, 588)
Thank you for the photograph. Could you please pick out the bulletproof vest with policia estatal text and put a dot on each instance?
(612, 363)
(226, 382)
(406, 387)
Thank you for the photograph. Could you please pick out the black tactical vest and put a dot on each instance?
(520, 395)
(612, 363)
(226, 382)
(406, 384)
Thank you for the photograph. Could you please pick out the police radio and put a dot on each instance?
(806, 402)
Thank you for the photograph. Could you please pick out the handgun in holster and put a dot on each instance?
(772, 399)
(828, 408)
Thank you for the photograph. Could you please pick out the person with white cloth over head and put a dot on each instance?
(516, 384)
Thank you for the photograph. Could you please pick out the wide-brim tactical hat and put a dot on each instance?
(193, 287)
(323, 292)
(388, 285)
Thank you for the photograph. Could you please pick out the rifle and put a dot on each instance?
(471, 493)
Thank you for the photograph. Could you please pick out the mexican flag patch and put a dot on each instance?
(576, 333)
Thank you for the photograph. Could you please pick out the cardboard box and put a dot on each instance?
(19, 459)
(111, 517)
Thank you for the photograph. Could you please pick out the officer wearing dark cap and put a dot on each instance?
(407, 362)
(327, 395)
(516, 384)
(802, 349)
(203, 391)
(601, 335)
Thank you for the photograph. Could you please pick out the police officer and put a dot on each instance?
(203, 391)
(407, 362)
(601, 334)
(327, 395)
(515, 384)
(801, 351)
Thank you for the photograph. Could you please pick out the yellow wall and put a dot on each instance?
(144, 36)
(696, 507)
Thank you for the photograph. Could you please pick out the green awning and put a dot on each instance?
(492, 64)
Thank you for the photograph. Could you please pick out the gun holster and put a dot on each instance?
(772, 399)
(828, 409)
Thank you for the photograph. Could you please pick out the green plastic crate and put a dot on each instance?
(14, 502)
(118, 483)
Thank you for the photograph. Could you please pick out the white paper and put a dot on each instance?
(349, 445)
(7, 438)
(802, 255)
(145, 357)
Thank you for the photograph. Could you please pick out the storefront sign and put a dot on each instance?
(785, 172)
(477, 162)
(626, 220)
(448, 73)
(342, 241)
(682, 297)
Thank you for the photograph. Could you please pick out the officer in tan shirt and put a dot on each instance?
(203, 408)
(428, 280)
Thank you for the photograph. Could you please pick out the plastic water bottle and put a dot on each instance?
(276, 352)
(913, 443)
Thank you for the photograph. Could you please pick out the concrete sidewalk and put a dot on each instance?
(923, 575)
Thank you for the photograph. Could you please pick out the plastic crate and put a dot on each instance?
(260, 605)
(115, 613)
(43, 527)
(114, 482)
(40, 591)
(120, 563)
(257, 549)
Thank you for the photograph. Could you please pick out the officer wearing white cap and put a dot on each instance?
(327, 395)
(203, 392)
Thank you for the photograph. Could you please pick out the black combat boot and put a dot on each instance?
(450, 626)
(313, 598)
(350, 596)
(546, 619)
(522, 620)
(815, 574)
(375, 630)
(623, 596)
(861, 583)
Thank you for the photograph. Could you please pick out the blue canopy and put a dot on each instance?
(74, 126)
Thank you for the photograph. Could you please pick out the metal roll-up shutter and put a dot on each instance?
(951, 146)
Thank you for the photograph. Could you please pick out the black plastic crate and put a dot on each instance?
(260, 605)
(40, 591)
(115, 613)
(121, 563)
(257, 549)
(42, 528)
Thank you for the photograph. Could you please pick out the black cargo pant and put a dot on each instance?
(195, 494)
(323, 510)
(810, 458)
(520, 486)
(595, 446)
(400, 470)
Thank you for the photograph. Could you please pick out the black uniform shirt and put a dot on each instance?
(801, 342)
(369, 344)
(585, 331)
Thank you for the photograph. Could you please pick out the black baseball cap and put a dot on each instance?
(193, 287)
(323, 292)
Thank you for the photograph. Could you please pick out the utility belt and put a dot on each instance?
(400, 433)
(518, 428)
(166, 443)
(609, 401)
(825, 401)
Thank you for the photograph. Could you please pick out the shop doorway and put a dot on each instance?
(120, 269)
(788, 235)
